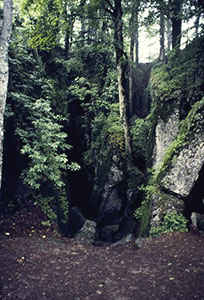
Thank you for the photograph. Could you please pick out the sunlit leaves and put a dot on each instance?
(43, 22)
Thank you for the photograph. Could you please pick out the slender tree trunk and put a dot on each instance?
(68, 37)
(196, 23)
(137, 41)
(176, 8)
(118, 40)
(162, 31)
(5, 35)
(169, 35)
(134, 45)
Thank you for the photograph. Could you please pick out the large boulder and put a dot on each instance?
(112, 196)
(165, 132)
(87, 233)
(179, 175)
(186, 167)
(198, 220)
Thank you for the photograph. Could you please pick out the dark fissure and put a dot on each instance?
(80, 188)
(195, 200)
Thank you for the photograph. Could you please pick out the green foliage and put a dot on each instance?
(45, 146)
(35, 106)
(46, 205)
(149, 192)
(44, 23)
(182, 74)
(140, 129)
(163, 87)
(101, 120)
(172, 221)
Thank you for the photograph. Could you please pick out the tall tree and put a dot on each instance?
(176, 19)
(115, 9)
(134, 45)
(5, 35)
(162, 30)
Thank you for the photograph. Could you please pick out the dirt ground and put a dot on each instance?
(36, 263)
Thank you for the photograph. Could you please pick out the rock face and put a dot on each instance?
(181, 188)
(198, 221)
(87, 232)
(185, 171)
(165, 133)
(115, 216)
(112, 199)
(163, 203)
(81, 229)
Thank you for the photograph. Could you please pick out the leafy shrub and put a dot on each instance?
(172, 221)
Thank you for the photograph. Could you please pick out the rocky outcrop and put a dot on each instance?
(163, 203)
(87, 233)
(115, 216)
(178, 184)
(165, 132)
(186, 167)
(198, 220)
(80, 228)
(112, 202)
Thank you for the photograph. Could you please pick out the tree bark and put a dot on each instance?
(118, 41)
(134, 45)
(169, 35)
(176, 9)
(162, 31)
(5, 35)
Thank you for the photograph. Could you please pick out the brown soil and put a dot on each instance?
(39, 264)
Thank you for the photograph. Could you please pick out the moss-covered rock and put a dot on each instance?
(177, 90)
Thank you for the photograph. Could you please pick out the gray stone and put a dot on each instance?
(163, 203)
(87, 232)
(198, 220)
(166, 131)
(126, 239)
(111, 204)
(187, 165)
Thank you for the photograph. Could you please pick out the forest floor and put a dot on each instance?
(37, 263)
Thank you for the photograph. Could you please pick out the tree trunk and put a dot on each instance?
(134, 45)
(196, 23)
(118, 40)
(169, 35)
(137, 41)
(176, 9)
(68, 37)
(162, 31)
(5, 35)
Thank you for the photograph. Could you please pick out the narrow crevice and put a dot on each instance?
(195, 201)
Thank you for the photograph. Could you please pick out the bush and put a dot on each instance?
(173, 221)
